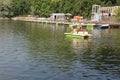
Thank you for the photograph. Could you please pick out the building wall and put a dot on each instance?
(109, 11)
(57, 16)
(104, 13)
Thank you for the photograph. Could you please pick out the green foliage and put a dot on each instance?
(90, 27)
(118, 2)
(21, 7)
(44, 8)
(117, 17)
(5, 8)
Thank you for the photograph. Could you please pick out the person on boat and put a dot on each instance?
(80, 31)
(75, 30)
(86, 32)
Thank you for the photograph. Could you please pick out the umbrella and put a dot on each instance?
(68, 14)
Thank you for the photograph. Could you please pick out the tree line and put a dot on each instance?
(43, 8)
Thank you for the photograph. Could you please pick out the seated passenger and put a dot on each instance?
(74, 31)
(80, 29)
(85, 32)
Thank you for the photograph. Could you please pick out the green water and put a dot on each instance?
(33, 51)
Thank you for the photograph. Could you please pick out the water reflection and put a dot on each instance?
(100, 53)
(79, 45)
(103, 58)
(42, 52)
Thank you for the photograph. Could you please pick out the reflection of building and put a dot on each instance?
(57, 16)
(100, 13)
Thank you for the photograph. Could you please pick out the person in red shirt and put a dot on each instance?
(80, 29)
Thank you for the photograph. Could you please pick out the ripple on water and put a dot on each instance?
(27, 54)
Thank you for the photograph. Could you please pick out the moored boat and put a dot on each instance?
(104, 26)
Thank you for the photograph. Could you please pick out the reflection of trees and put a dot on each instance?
(43, 40)
(48, 47)
(103, 33)
(12, 28)
(104, 57)
(45, 46)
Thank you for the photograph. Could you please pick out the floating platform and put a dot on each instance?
(81, 36)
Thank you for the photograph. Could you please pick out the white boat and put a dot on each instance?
(81, 34)
(104, 26)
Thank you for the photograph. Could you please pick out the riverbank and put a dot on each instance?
(49, 21)
(40, 20)
(65, 22)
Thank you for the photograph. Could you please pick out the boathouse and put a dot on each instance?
(57, 16)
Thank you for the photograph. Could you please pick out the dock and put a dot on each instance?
(64, 22)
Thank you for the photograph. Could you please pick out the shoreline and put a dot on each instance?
(40, 20)
(62, 22)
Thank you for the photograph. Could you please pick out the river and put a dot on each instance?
(34, 51)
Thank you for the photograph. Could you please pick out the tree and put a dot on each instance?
(6, 8)
(118, 2)
(117, 17)
(21, 7)
(46, 7)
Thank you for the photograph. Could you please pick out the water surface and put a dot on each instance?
(33, 51)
